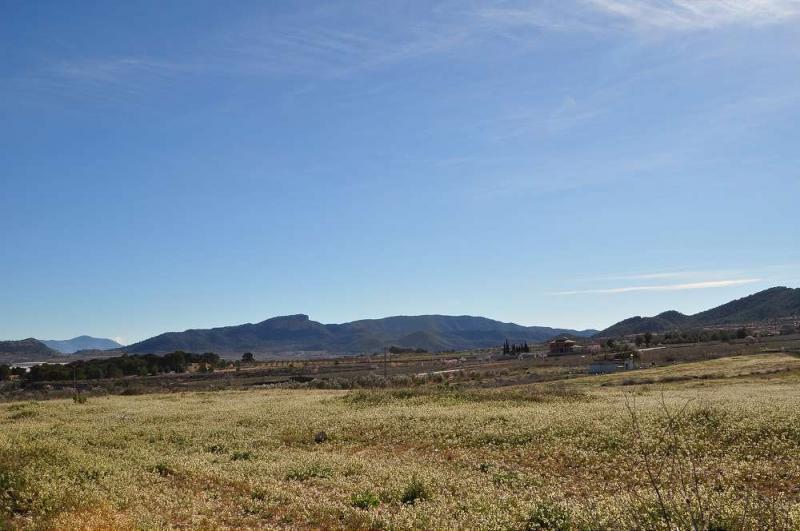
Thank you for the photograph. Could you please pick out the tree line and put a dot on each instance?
(125, 365)
(513, 348)
(692, 336)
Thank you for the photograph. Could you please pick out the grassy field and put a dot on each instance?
(712, 444)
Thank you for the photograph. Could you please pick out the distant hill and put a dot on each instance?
(70, 346)
(773, 303)
(299, 333)
(26, 350)
(662, 322)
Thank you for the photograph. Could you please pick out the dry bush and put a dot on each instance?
(683, 488)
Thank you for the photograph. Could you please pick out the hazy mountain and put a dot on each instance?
(25, 350)
(773, 303)
(70, 346)
(298, 332)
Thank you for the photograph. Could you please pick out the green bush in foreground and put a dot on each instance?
(79, 398)
(365, 500)
(308, 472)
(548, 515)
(414, 491)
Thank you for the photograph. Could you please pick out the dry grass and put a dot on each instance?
(533, 456)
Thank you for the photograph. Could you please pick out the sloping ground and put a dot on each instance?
(557, 456)
(753, 366)
(768, 304)
(772, 303)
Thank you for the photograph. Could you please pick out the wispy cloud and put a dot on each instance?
(656, 276)
(345, 39)
(109, 78)
(549, 16)
(667, 287)
(662, 275)
(602, 16)
(687, 15)
(312, 44)
(111, 70)
(310, 48)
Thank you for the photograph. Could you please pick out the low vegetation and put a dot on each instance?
(721, 452)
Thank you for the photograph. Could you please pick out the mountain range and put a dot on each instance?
(773, 303)
(299, 333)
(70, 346)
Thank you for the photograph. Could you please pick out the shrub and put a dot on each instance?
(242, 456)
(548, 515)
(12, 497)
(79, 398)
(401, 380)
(504, 477)
(308, 472)
(414, 491)
(365, 500)
(259, 494)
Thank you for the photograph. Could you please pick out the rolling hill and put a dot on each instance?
(26, 350)
(70, 346)
(298, 333)
(772, 303)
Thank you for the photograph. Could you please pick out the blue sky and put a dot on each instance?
(565, 163)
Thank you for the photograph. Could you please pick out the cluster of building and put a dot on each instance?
(621, 362)
(563, 345)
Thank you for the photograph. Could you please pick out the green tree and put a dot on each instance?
(175, 361)
(648, 338)
(247, 357)
(639, 340)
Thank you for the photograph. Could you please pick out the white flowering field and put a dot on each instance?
(711, 445)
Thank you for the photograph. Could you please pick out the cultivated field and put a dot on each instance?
(710, 444)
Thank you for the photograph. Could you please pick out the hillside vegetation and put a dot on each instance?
(716, 446)
(773, 303)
